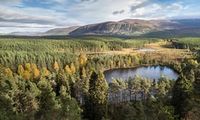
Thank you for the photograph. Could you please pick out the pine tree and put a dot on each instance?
(20, 70)
(145, 86)
(73, 68)
(8, 72)
(85, 81)
(68, 70)
(7, 90)
(45, 72)
(25, 100)
(56, 66)
(48, 103)
(134, 85)
(96, 106)
(82, 59)
(181, 100)
(69, 107)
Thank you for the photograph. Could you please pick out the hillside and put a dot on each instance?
(135, 27)
(60, 31)
(129, 27)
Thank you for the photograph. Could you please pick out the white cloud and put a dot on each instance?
(10, 1)
(157, 11)
(175, 6)
(65, 13)
(147, 10)
(33, 18)
(102, 10)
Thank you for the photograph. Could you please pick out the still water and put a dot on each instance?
(149, 72)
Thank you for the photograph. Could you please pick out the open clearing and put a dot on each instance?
(155, 50)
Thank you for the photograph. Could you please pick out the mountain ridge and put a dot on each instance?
(129, 27)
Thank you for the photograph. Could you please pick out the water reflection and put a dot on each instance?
(150, 72)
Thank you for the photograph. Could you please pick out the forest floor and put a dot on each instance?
(155, 50)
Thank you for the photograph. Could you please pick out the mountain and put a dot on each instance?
(125, 27)
(136, 27)
(130, 27)
(24, 33)
(60, 31)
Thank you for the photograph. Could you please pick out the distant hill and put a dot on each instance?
(130, 27)
(135, 27)
(25, 34)
(60, 31)
(125, 27)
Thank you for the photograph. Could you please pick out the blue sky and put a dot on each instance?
(42, 15)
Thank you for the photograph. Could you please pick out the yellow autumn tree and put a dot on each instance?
(68, 70)
(27, 75)
(56, 66)
(73, 68)
(20, 70)
(82, 59)
(35, 71)
(8, 72)
(28, 67)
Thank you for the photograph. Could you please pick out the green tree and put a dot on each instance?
(69, 107)
(145, 86)
(85, 80)
(25, 99)
(164, 86)
(48, 103)
(115, 87)
(96, 105)
(7, 91)
(181, 100)
(134, 86)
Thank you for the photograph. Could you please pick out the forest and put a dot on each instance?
(63, 79)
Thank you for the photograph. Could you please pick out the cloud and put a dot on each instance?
(118, 12)
(10, 1)
(140, 5)
(148, 10)
(38, 14)
(175, 6)
(33, 18)
(89, 0)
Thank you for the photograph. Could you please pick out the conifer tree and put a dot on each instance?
(48, 103)
(56, 66)
(45, 72)
(181, 100)
(8, 72)
(68, 70)
(82, 59)
(20, 70)
(73, 68)
(69, 107)
(96, 105)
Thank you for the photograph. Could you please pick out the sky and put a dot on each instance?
(42, 15)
